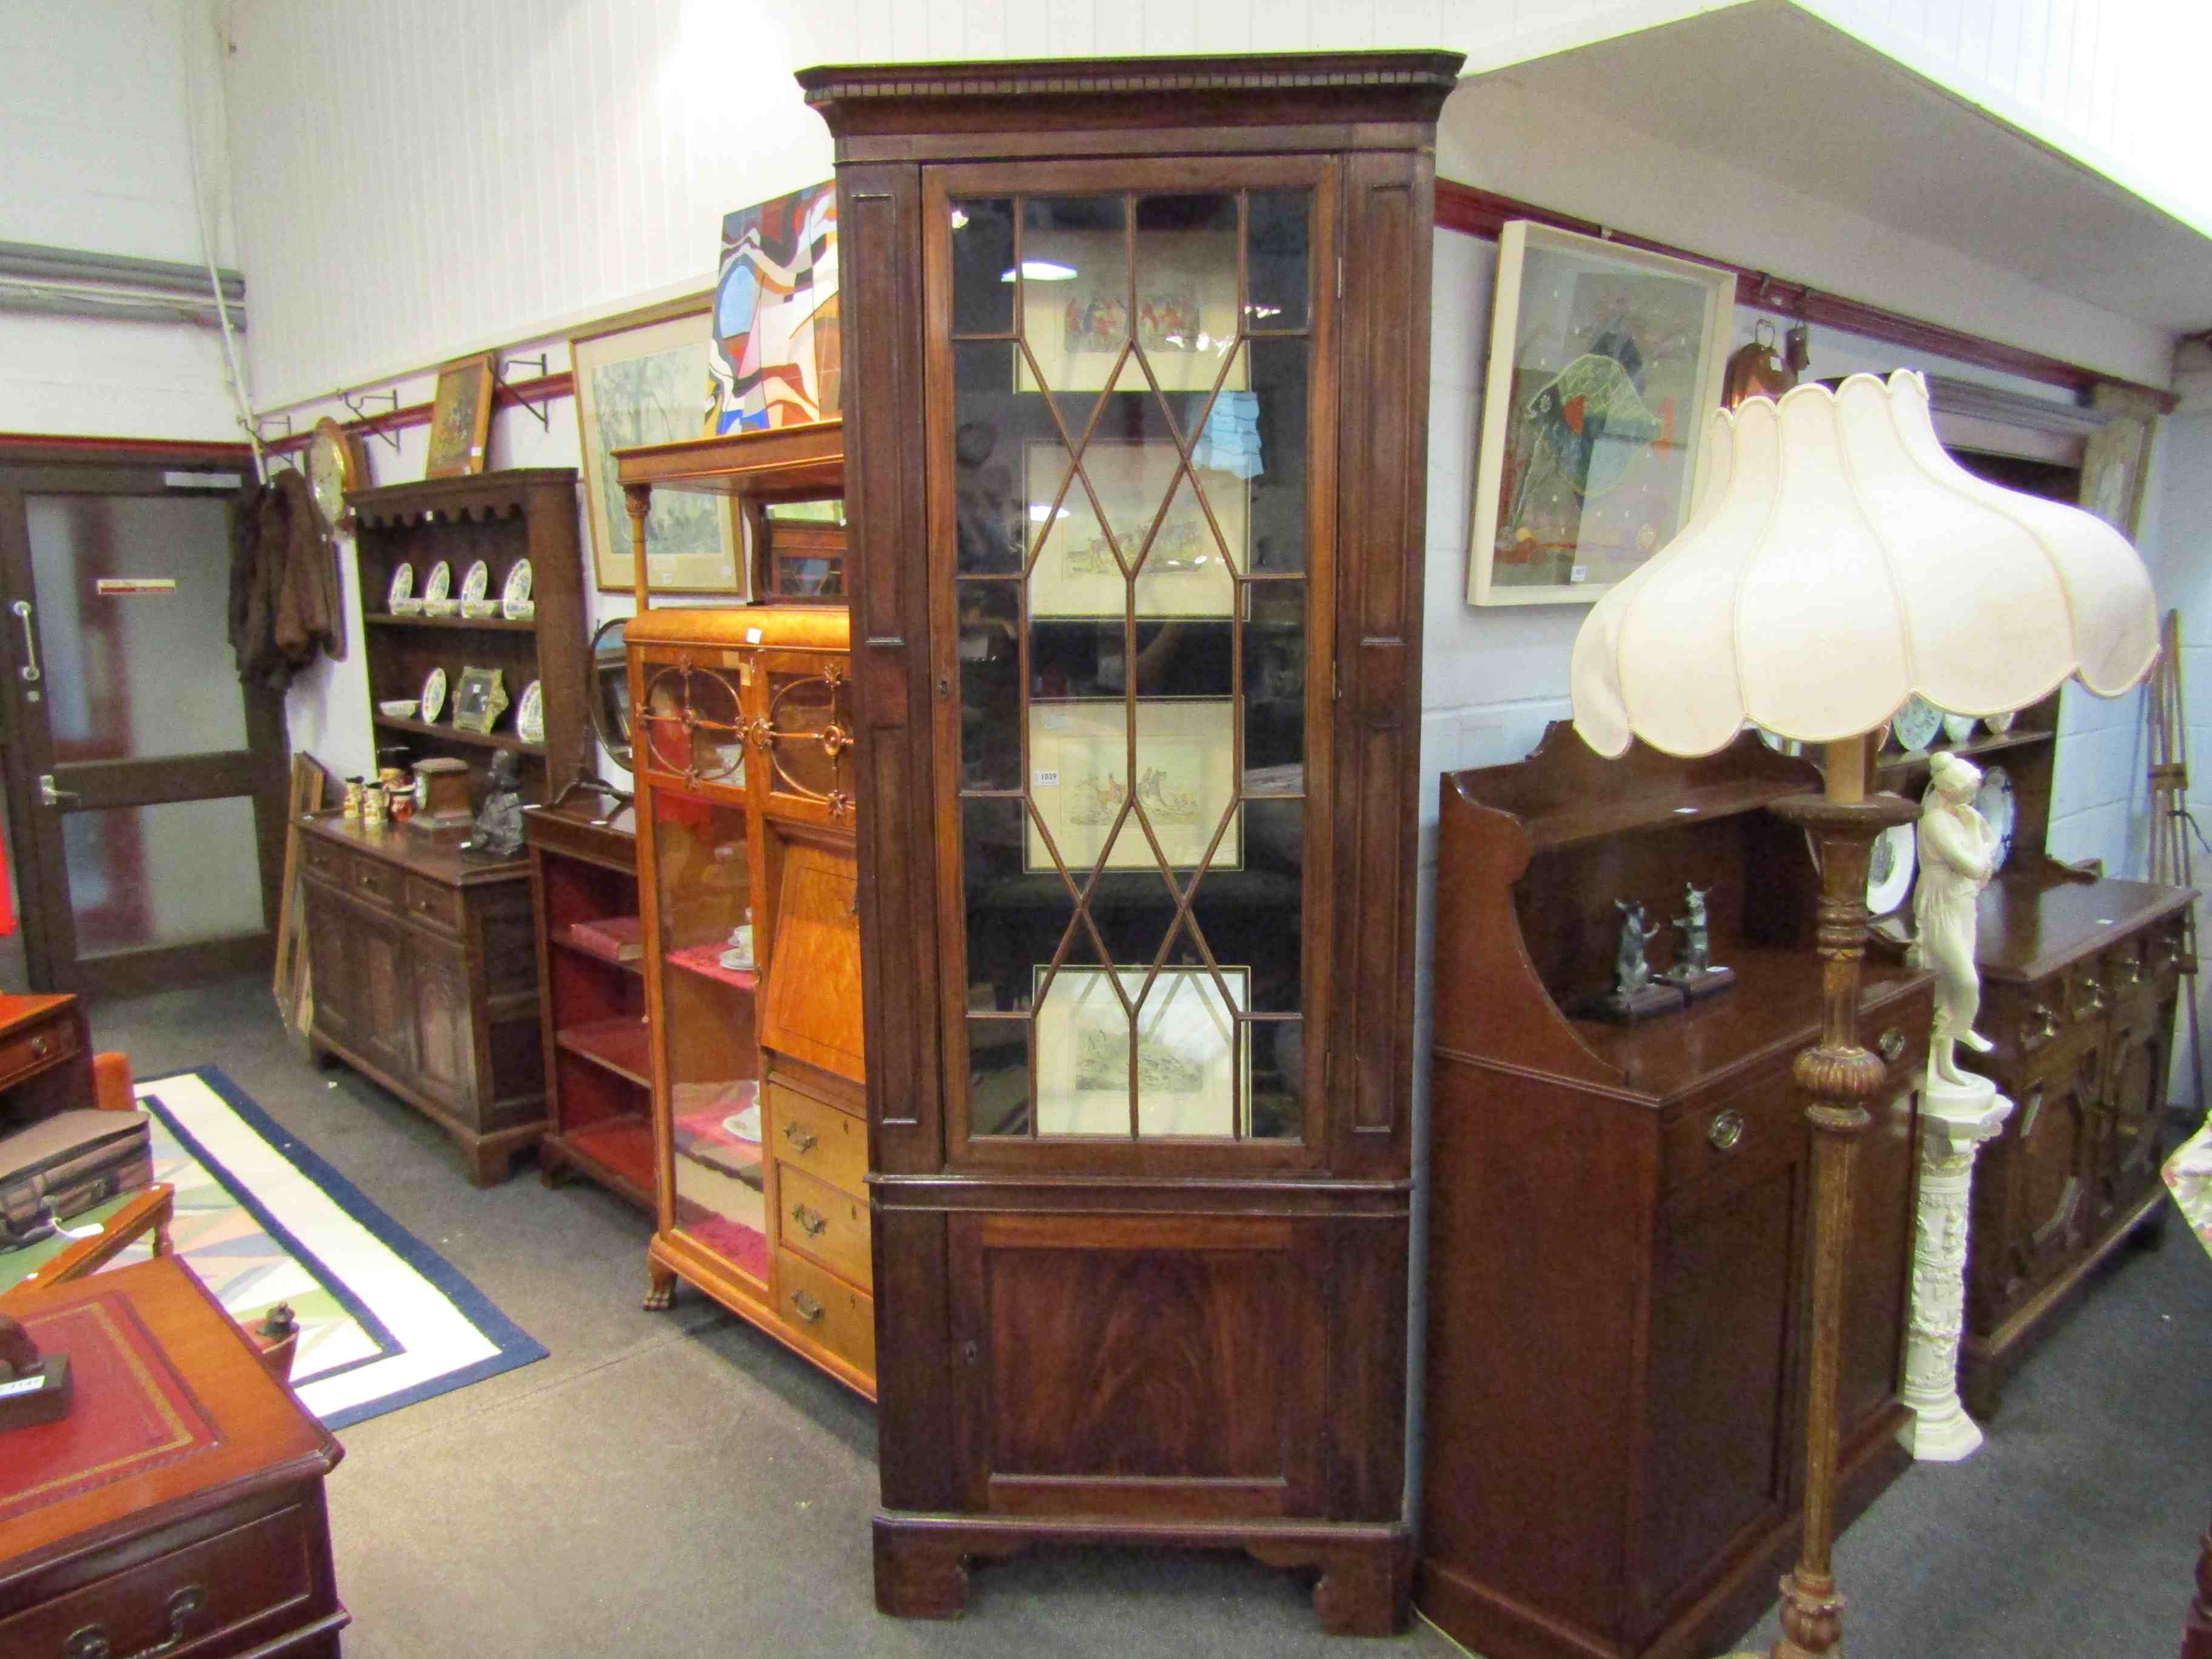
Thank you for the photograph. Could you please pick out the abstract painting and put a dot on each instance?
(776, 358)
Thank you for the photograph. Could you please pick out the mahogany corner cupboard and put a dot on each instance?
(1137, 390)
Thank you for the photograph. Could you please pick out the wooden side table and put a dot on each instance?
(180, 1504)
(45, 1058)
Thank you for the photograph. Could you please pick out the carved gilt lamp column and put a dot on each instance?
(1835, 563)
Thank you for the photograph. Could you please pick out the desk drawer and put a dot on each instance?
(816, 1301)
(830, 1144)
(437, 907)
(332, 864)
(1755, 1121)
(376, 884)
(828, 1226)
(36, 1049)
(252, 1575)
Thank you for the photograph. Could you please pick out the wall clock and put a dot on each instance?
(337, 463)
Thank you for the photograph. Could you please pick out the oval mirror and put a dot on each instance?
(609, 690)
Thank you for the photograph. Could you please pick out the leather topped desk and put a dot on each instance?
(181, 1499)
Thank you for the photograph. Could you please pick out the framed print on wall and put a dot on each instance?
(460, 417)
(644, 379)
(1606, 363)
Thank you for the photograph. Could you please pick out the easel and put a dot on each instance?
(2172, 860)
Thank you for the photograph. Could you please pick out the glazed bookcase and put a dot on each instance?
(1137, 387)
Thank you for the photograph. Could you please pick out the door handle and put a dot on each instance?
(50, 796)
(29, 670)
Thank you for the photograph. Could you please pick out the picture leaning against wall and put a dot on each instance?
(776, 350)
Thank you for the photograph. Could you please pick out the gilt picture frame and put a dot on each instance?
(460, 417)
(645, 378)
(1605, 366)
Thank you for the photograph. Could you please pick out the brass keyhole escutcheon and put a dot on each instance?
(1891, 1043)
(1725, 1130)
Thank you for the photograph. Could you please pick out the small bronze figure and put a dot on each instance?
(498, 820)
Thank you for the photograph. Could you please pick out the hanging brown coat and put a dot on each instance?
(284, 598)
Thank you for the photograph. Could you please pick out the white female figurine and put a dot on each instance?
(1958, 853)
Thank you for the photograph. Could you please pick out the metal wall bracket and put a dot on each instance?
(355, 400)
(541, 412)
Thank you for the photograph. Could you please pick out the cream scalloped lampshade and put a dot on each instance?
(1837, 561)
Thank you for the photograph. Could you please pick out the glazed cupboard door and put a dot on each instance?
(1131, 581)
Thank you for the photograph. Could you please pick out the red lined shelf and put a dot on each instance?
(621, 1046)
(621, 1146)
(705, 960)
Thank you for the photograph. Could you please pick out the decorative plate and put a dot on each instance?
(401, 588)
(1777, 742)
(1959, 728)
(516, 588)
(1994, 802)
(2001, 724)
(433, 690)
(476, 583)
(441, 583)
(1917, 724)
(1890, 870)
(530, 714)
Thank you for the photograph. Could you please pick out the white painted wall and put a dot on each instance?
(95, 145)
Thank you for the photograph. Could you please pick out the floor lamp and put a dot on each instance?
(1838, 562)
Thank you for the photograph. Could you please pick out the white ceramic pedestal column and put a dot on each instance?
(1954, 1120)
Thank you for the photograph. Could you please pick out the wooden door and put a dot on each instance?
(383, 979)
(2128, 1148)
(811, 1010)
(1141, 1365)
(444, 1032)
(2030, 1199)
(146, 789)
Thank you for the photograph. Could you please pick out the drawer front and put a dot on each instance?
(1750, 1124)
(816, 1301)
(332, 864)
(826, 1143)
(37, 1048)
(253, 1575)
(376, 884)
(439, 907)
(2037, 1025)
(827, 1224)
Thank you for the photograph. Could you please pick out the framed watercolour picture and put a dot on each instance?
(460, 417)
(1186, 782)
(1142, 491)
(644, 379)
(1605, 364)
(1191, 1070)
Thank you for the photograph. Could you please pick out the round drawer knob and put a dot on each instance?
(1725, 1130)
(1891, 1043)
(39, 1046)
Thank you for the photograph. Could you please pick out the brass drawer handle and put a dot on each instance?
(2042, 1025)
(813, 1223)
(2092, 996)
(809, 1308)
(91, 1641)
(1891, 1043)
(2131, 970)
(1725, 1130)
(39, 1046)
(799, 1137)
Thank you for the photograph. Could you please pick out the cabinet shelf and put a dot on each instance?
(455, 734)
(1988, 745)
(621, 1146)
(475, 624)
(569, 939)
(621, 1046)
(704, 960)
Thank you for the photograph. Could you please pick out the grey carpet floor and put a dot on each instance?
(675, 1485)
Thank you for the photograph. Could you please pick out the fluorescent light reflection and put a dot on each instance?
(1043, 270)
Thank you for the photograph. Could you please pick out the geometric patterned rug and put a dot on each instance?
(385, 1321)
